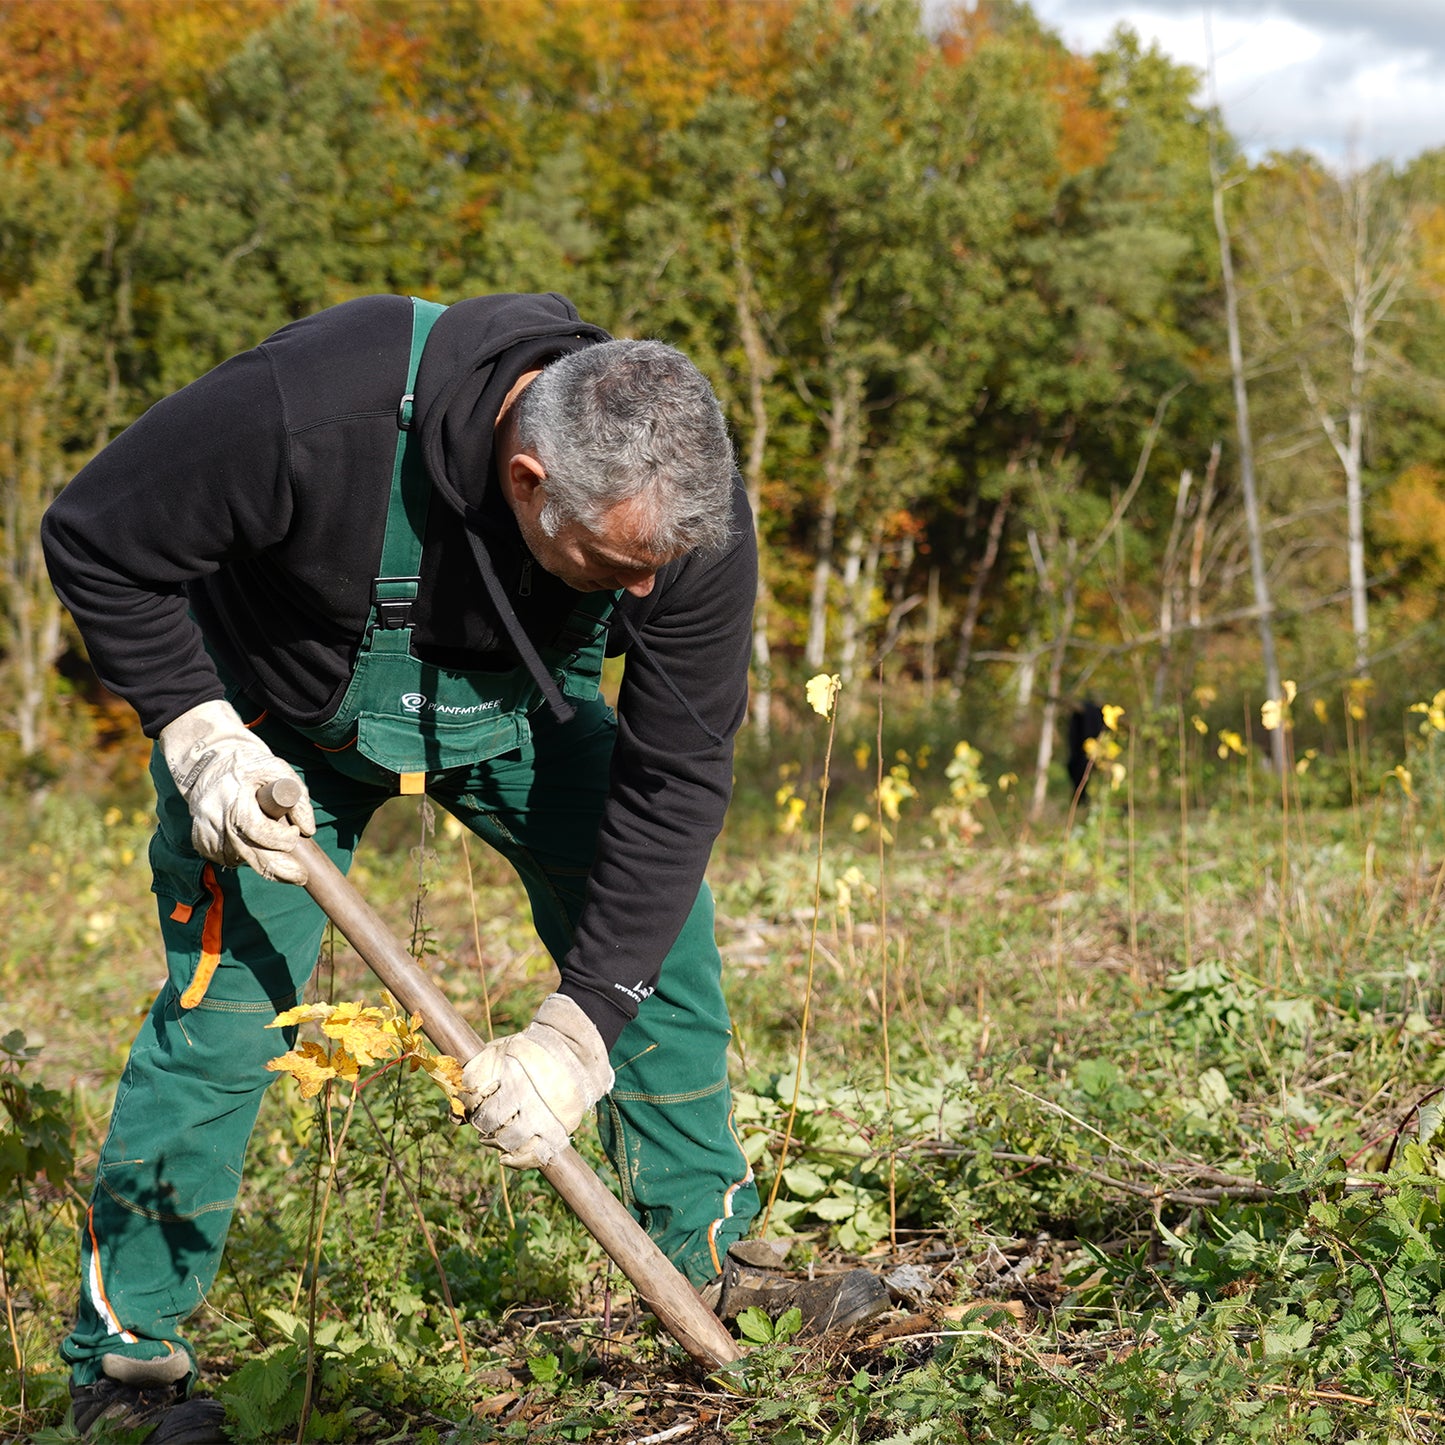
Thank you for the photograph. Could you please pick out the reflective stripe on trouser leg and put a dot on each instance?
(170, 1167)
(667, 1127)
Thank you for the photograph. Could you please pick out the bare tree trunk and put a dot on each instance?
(1195, 591)
(816, 647)
(37, 637)
(850, 622)
(1258, 575)
(760, 369)
(1025, 675)
(839, 465)
(29, 611)
(1180, 584)
(1170, 599)
(761, 701)
(930, 634)
(860, 583)
(868, 581)
(969, 624)
(1349, 448)
(1063, 630)
(1368, 271)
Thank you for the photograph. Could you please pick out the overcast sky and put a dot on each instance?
(1348, 79)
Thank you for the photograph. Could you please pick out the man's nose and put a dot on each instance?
(643, 587)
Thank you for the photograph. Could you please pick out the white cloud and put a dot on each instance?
(1348, 79)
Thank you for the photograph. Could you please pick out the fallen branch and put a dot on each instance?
(676, 1432)
(1223, 1186)
(1206, 1185)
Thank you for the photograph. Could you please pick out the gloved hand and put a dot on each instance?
(218, 765)
(527, 1092)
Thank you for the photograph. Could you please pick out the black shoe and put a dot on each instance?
(174, 1420)
(836, 1302)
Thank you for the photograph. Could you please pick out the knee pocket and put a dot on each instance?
(234, 941)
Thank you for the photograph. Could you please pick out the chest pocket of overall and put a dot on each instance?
(413, 717)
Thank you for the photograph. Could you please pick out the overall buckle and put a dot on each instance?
(393, 611)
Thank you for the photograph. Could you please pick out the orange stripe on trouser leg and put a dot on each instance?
(210, 943)
(97, 1287)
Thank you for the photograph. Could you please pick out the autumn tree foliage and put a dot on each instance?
(951, 280)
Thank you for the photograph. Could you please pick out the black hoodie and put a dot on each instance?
(254, 501)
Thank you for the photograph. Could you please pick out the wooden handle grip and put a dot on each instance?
(662, 1287)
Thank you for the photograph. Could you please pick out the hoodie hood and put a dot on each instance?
(474, 354)
(460, 387)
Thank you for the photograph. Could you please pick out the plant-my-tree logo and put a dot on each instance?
(419, 702)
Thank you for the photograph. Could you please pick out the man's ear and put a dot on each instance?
(522, 481)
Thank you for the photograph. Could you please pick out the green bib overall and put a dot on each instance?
(487, 750)
(411, 718)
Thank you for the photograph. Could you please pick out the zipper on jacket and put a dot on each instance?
(524, 584)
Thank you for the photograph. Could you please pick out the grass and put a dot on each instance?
(1147, 1147)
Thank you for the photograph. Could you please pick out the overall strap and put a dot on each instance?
(395, 588)
(586, 622)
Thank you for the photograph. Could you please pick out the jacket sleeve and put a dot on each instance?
(683, 697)
(200, 479)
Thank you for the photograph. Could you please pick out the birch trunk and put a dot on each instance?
(760, 370)
(1368, 271)
(1253, 524)
(840, 463)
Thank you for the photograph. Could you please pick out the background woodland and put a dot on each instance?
(1043, 390)
(1046, 392)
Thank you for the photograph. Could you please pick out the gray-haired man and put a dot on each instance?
(387, 550)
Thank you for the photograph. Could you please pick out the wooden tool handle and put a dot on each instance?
(662, 1287)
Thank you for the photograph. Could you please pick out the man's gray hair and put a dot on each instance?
(631, 419)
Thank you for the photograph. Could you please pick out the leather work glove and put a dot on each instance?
(527, 1092)
(218, 765)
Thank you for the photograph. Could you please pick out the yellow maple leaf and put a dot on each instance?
(362, 1035)
(345, 1064)
(307, 1013)
(446, 1073)
(309, 1064)
(367, 1034)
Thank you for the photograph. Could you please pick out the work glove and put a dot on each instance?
(218, 766)
(527, 1092)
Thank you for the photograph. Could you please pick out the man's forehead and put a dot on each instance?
(621, 538)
